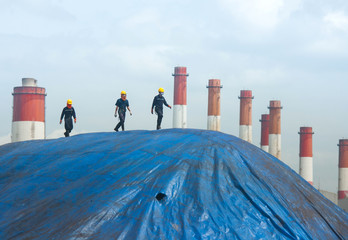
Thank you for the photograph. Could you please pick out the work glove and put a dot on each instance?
(130, 113)
(75, 120)
(115, 115)
(60, 122)
(151, 111)
(170, 107)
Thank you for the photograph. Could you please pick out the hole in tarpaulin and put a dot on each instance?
(161, 197)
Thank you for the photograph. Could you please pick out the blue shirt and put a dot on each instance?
(122, 104)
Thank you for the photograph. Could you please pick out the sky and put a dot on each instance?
(294, 51)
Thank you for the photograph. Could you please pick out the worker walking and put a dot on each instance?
(122, 105)
(68, 113)
(158, 102)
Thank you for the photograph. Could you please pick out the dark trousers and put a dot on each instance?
(122, 116)
(68, 126)
(159, 112)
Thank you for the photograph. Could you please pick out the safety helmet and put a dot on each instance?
(123, 93)
(161, 90)
(69, 102)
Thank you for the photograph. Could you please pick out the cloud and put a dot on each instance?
(332, 38)
(336, 20)
(40, 18)
(264, 14)
(137, 59)
(333, 46)
(263, 76)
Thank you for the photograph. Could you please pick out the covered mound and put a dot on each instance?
(168, 184)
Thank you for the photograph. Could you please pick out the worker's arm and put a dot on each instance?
(165, 103)
(116, 111)
(130, 112)
(74, 114)
(153, 104)
(62, 115)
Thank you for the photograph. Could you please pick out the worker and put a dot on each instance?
(122, 105)
(68, 112)
(158, 102)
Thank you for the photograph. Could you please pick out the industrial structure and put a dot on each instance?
(306, 154)
(28, 120)
(264, 132)
(214, 104)
(275, 129)
(245, 116)
(180, 103)
(343, 174)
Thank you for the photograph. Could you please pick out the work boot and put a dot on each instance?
(158, 127)
(116, 130)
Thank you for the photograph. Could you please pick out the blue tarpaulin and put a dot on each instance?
(167, 184)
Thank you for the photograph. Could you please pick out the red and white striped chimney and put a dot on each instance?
(214, 104)
(264, 132)
(245, 121)
(28, 120)
(306, 154)
(180, 109)
(343, 173)
(274, 129)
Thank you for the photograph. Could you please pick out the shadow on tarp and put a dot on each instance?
(168, 184)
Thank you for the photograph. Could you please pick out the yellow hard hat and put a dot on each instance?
(161, 90)
(123, 93)
(69, 102)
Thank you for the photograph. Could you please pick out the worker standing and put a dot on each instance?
(122, 105)
(158, 102)
(68, 112)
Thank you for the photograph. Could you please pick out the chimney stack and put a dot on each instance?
(306, 154)
(274, 129)
(180, 104)
(28, 121)
(264, 132)
(245, 121)
(343, 174)
(214, 104)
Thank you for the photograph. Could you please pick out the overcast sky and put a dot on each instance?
(295, 51)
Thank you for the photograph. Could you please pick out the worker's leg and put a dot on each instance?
(68, 126)
(159, 117)
(121, 123)
(122, 119)
(117, 126)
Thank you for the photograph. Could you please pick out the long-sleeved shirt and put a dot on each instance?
(67, 113)
(122, 104)
(158, 102)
